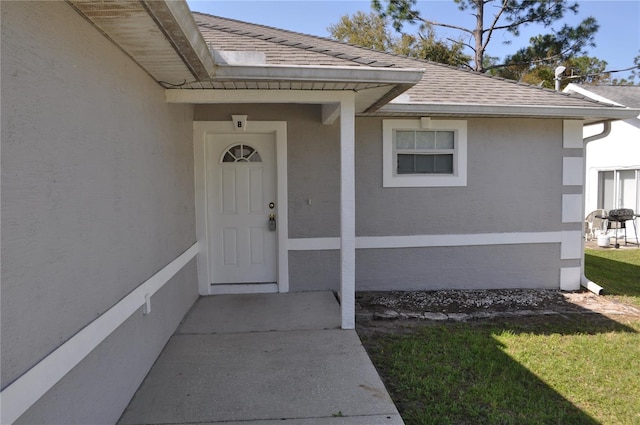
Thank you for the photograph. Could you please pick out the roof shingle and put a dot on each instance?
(624, 95)
(441, 84)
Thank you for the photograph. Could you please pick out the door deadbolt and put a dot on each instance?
(271, 205)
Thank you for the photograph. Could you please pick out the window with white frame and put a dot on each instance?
(619, 189)
(424, 153)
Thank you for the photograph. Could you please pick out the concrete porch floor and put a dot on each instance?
(263, 359)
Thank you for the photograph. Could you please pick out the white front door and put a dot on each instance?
(241, 198)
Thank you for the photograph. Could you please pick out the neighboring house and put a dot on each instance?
(613, 162)
(140, 170)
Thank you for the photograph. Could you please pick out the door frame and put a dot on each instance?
(202, 129)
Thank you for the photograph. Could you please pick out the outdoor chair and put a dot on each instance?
(595, 224)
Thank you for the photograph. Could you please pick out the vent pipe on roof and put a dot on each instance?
(558, 72)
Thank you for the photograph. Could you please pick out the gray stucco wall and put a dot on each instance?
(314, 270)
(469, 267)
(115, 369)
(97, 196)
(514, 174)
(432, 268)
(515, 164)
(514, 183)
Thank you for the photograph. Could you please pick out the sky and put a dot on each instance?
(617, 40)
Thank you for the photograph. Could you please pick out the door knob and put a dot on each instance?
(272, 222)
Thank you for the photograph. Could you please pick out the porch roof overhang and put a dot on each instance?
(373, 87)
(162, 37)
(589, 115)
(159, 35)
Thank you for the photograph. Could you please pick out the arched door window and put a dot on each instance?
(241, 153)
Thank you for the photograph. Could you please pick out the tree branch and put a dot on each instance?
(493, 24)
(531, 62)
(466, 65)
(517, 23)
(460, 42)
(535, 61)
(439, 24)
(572, 77)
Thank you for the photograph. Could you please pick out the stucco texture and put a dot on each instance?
(97, 181)
(101, 386)
(514, 183)
(468, 267)
(514, 174)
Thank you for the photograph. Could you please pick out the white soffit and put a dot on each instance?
(365, 100)
(160, 35)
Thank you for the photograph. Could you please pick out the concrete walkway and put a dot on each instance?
(263, 359)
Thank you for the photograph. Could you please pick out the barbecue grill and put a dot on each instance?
(620, 218)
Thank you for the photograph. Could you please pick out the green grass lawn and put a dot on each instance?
(556, 371)
(579, 369)
(617, 271)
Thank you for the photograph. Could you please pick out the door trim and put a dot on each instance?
(201, 129)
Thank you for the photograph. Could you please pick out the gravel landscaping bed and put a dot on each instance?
(463, 305)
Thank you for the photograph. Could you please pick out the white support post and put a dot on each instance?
(347, 214)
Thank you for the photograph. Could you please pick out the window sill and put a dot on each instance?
(424, 181)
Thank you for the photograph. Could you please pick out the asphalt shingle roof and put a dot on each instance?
(624, 95)
(441, 84)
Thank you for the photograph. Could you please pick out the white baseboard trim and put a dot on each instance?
(18, 397)
(425, 241)
(249, 288)
(475, 239)
(314, 244)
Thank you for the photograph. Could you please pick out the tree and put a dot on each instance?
(374, 32)
(507, 16)
(636, 70)
(366, 30)
(579, 70)
(427, 46)
(635, 73)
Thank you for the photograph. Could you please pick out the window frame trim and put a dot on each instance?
(390, 178)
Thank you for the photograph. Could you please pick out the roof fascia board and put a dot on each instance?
(398, 80)
(256, 96)
(351, 74)
(176, 21)
(614, 113)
